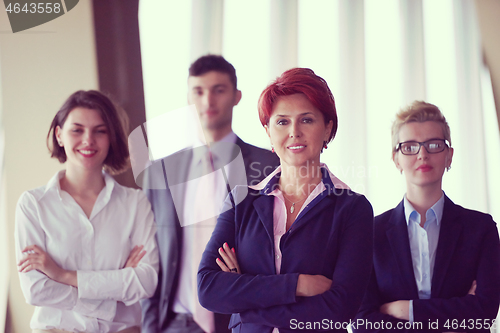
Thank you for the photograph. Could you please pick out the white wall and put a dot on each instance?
(39, 69)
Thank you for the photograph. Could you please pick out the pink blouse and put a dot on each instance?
(280, 212)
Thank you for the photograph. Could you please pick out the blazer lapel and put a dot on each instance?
(264, 207)
(177, 168)
(449, 234)
(321, 202)
(247, 159)
(397, 234)
(244, 150)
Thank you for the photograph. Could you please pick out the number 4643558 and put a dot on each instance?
(33, 8)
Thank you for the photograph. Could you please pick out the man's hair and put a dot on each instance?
(419, 112)
(213, 62)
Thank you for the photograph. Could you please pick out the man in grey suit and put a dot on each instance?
(212, 88)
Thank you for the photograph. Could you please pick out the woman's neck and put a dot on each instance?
(82, 181)
(296, 182)
(422, 198)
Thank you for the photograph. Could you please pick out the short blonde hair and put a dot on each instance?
(419, 112)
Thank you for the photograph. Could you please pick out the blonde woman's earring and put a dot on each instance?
(272, 149)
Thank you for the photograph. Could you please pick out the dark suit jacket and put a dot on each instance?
(332, 236)
(258, 163)
(468, 249)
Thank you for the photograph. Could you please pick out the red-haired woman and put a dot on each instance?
(296, 251)
(85, 244)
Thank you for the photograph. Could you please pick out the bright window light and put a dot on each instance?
(384, 91)
(246, 45)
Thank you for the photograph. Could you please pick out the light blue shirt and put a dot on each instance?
(423, 244)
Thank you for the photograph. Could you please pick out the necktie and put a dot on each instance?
(206, 211)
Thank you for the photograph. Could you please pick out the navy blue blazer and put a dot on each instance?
(156, 311)
(468, 249)
(332, 236)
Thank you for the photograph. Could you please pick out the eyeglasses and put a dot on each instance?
(432, 146)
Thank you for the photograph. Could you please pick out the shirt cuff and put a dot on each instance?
(100, 285)
(410, 311)
(105, 310)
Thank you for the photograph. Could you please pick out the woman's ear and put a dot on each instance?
(396, 161)
(267, 131)
(328, 130)
(449, 157)
(58, 135)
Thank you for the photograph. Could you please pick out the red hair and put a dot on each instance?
(300, 81)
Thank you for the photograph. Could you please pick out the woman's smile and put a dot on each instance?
(297, 130)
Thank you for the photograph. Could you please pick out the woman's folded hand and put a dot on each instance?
(135, 256)
(230, 263)
(36, 258)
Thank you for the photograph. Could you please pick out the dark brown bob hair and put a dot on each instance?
(114, 117)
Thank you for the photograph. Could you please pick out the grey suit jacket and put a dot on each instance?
(157, 180)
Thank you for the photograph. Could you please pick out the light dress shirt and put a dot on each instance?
(97, 248)
(423, 244)
(185, 297)
(280, 212)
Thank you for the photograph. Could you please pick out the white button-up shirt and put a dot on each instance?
(423, 244)
(185, 298)
(107, 296)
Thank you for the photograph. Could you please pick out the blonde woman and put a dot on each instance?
(436, 264)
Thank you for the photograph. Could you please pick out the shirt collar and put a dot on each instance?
(110, 185)
(55, 185)
(230, 137)
(199, 154)
(270, 183)
(436, 210)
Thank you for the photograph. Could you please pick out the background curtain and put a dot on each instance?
(377, 56)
